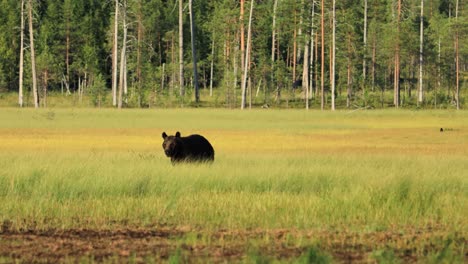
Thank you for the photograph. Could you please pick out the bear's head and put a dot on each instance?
(171, 144)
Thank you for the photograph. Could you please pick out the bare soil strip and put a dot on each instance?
(139, 245)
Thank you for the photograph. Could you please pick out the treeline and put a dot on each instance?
(295, 53)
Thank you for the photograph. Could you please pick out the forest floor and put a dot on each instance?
(159, 244)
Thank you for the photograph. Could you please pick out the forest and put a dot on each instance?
(235, 54)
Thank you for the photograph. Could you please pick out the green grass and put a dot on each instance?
(96, 190)
(273, 169)
(375, 183)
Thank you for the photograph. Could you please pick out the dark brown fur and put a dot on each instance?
(193, 148)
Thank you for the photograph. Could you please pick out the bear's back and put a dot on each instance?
(197, 146)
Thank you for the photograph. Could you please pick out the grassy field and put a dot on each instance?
(286, 185)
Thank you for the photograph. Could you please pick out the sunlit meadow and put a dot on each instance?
(273, 169)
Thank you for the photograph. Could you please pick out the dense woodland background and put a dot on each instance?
(373, 48)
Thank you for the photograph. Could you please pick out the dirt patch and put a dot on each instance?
(162, 243)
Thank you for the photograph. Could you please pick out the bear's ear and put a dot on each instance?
(177, 134)
(164, 135)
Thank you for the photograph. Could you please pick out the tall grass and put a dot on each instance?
(272, 169)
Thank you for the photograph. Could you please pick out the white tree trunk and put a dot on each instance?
(305, 75)
(364, 73)
(322, 77)
(273, 34)
(242, 39)
(235, 66)
(457, 59)
(333, 59)
(247, 57)
(299, 32)
(212, 63)
(122, 85)
(181, 48)
(163, 77)
(437, 88)
(114, 54)
(33, 56)
(421, 43)
(312, 34)
(66, 79)
(396, 74)
(125, 86)
(273, 41)
(194, 53)
(21, 69)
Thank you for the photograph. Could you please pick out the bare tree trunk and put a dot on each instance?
(236, 66)
(322, 77)
(364, 73)
(457, 59)
(181, 48)
(396, 79)
(333, 59)
(421, 43)
(44, 88)
(21, 69)
(242, 40)
(194, 54)
(33, 56)
(114, 54)
(173, 63)
(294, 58)
(348, 82)
(278, 86)
(122, 84)
(305, 75)
(125, 84)
(273, 47)
(249, 78)
(79, 89)
(311, 52)
(83, 85)
(163, 76)
(67, 48)
(374, 58)
(299, 32)
(273, 42)
(212, 63)
(140, 40)
(247, 57)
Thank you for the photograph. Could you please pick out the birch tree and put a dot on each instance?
(396, 73)
(364, 49)
(421, 43)
(33, 55)
(181, 47)
(305, 74)
(123, 55)
(322, 76)
(67, 13)
(311, 63)
(21, 69)
(194, 53)
(242, 40)
(114, 54)
(333, 58)
(139, 75)
(212, 63)
(247, 57)
(273, 43)
(457, 59)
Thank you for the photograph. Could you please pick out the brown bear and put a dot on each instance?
(193, 148)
